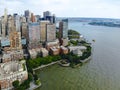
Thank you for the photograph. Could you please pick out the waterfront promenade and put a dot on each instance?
(43, 66)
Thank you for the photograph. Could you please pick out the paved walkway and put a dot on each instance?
(42, 66)
(33, 86)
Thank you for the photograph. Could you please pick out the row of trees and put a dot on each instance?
(87, 53)
(33, 63)
(24, 85)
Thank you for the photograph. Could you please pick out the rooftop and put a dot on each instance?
(9, 68)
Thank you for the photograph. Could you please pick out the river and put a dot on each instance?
(101, 73)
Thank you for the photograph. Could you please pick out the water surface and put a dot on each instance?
(101, 73)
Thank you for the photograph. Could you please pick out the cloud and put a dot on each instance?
(73, 8)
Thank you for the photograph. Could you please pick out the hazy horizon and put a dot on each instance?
(64, 8)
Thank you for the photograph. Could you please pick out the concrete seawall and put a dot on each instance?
(85, 60)
(43, 66)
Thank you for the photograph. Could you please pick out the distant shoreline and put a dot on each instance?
(107, 24)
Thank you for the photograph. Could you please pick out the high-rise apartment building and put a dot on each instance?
(34, 32)
(51, 32)
(46, 13)
(3, 28)
(37, 17)
(4, 24)
(23, 19)
(25, 30)
(17, 23)
(52, 19)
(43, 30)
(27, 13)
(32, 17)
(15, 14)
(11, 25)
(63, 28)
(15, 40)
(0, 27)
(5, 16)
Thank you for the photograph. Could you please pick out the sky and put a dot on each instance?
(64, 8)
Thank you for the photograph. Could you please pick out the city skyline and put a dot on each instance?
(76, 8)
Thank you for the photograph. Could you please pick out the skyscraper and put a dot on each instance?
(0, 27)
(15, 40)
(32, 17)
(15, 14)
(17, 23)
(3, 28)
(27, 13)
(63, 28)
(24, 30)
(43, 30)
(5, 15)
(46, 13)
(54, 18)
(11, 24)
(34, 32)
(51, 19)
(4, 24)
(38, 17)
(51, 32)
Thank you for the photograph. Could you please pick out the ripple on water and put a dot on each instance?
(101, 73)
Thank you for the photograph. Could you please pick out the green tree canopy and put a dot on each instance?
(15, 83)
(72, 34)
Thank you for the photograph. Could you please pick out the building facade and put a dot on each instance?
(51, 32)
(46, 13)
(43, 30)
(17, 23)
(27, 13)
(63, 29)
(34, 35)
(11, 71)
(24, 30)
(15, 40)
(11, 25)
